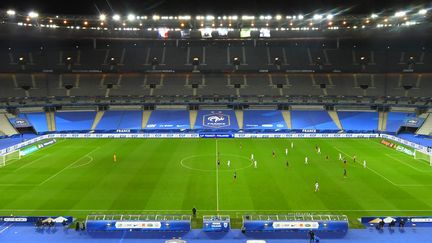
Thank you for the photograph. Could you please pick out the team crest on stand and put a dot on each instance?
(216, 120)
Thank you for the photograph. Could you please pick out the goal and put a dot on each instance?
(8, 157)
(423, 156)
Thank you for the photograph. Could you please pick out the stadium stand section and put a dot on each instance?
(37, 119)
(359, 120)
(169, 119)
(396, 119)
(309, 119)
(74, 120)
(263, 119)
(113, 120)
(216, 120)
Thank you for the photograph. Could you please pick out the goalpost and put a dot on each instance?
(423, 156)
(6, 158)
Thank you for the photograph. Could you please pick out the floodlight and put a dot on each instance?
(400, 14)
(422, 11)
(278, 17)
(317, 17)
(10, 12)
(374, 16)
(131, 17)
(300, 17)
(102, 17)
(116, 17)
(329, 16)
(33, 14)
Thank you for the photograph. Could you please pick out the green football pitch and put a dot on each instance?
(79, 177)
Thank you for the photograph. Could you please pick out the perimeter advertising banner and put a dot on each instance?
(284, 226)
(154, 226)
(216, 224)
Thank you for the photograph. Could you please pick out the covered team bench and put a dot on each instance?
(139, 223)
(295, 225)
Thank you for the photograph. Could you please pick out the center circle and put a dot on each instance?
(207, 162)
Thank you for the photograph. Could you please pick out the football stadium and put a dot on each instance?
(199, 128)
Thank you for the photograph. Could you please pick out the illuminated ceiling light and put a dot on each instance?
(246, 17)
(10, 12)
(50, 20)
(422, 11)
(85, 23)
(155, 17)
(64, 22)
(344, 22)
(374, 16)
(116, 17)
(317, 16)
(252, 24)
(33, 14)
(182, 25)
(210, 17)
(400, 14)
(102, 17)
(329, 16)
(300, 17)
(278, 17)
(330, 23)
(131, 17)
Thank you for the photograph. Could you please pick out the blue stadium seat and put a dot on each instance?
(74, 120)
(263, 119)
(397, 119)
(169, 119)
(358, 121)
(319, 120)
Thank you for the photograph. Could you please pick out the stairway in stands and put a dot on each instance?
(239, 116)
(192, 118)
(426, 128)
(382, 120)
(50, 116)
(145, 118)
(97, 119)
(6, 127)
(287, 117)
(334, 116)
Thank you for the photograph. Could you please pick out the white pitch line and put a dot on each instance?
(419, 170)
(90, 160)
(217, 178)
(67, 167)
(397, 185)
(25, 165)
(374, 171)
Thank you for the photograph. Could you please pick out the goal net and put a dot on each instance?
(423, 156)
(8, 157)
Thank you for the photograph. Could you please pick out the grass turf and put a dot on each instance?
(79, 177)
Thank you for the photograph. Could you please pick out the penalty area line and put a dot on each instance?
(67, 167)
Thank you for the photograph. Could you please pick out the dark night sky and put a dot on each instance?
(174, 7)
